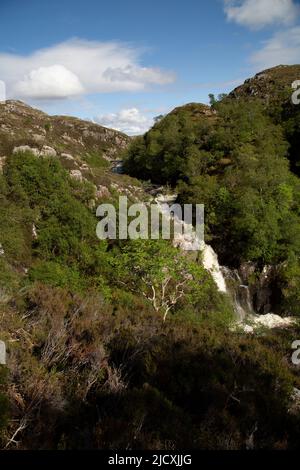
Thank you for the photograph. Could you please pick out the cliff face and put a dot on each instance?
(21, 125)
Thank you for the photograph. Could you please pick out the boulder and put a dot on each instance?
(26, 148)
(246, 270)
(2, 353)
(102, 191)
(263, 301)
(48, 151)
(84, 167)
(38, 138)
(76, 174)
(67, 156)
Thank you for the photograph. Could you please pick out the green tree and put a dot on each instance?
(162, 275)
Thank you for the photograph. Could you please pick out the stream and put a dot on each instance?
(228, 281)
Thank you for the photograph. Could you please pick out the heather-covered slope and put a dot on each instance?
(91, 363)
(21, 124)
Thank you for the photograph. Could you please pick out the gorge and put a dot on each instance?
(229, 281)
(138, 343)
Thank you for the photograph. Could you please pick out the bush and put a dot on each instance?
(56, 275)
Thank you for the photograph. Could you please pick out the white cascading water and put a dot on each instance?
(239, 293)
(189, 241)
(211, 263)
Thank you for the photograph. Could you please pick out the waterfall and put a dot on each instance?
(189, 241)
(240, 293)
(227, 280)
(211, 263)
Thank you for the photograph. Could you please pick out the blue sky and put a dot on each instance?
(121, 63)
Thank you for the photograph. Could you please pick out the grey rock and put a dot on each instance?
(2, 353)
(48, 151)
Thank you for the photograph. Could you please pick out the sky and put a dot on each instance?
(120, 63)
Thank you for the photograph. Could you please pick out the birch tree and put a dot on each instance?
(160, 273)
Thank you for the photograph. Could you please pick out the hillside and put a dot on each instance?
(240, 157)
(190, 129)
(270, 84)
(273, 88)
(75, 309)
(86, 150)
(115, 344)
(21, 124)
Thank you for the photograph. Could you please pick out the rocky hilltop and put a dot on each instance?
(88, 151)
(21, 125)
(270, 84)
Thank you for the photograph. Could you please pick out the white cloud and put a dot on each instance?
(131, 121)
(76, 67)
(259, 13)
(49, 82)
(132, 73)
(282, 48)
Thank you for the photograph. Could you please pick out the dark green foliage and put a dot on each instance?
(39, 192)
(170, 281)
(55, 274)
(289, 276)
(252, 200)
(96, 160)
(236, 165)
(170, 150)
